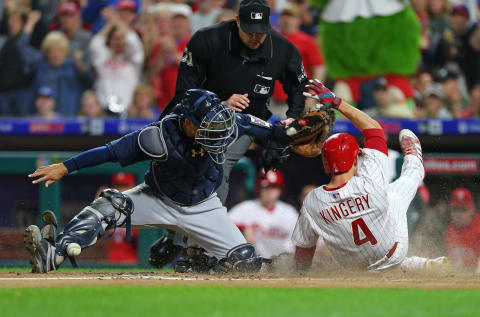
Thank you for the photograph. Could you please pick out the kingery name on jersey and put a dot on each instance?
(345, 208)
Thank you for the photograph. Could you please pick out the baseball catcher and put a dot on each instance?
(186, 150)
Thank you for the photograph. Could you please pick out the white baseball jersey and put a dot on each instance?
(362, 222)
(273, 228)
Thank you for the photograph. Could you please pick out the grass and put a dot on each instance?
(218, 301)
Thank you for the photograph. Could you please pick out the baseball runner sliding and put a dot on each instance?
(361, 217)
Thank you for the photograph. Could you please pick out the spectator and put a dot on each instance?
(385, 105)
(433, 105)
(421, 82)
(68, 15)
(156, 25)
(309, 17)
(455, 100)
(97, 12)
(289, 24)
(465, 44)
(172, 54)
(463, 233)
(421, 9)
(434, 56)
(181, 24)
(67, 76)
(45, 103)
(120, 250)
(225, 15)
(117, 55)
(17, 60)
(39, 30)
(473, 111)
(267, 222)
(207, 13)
(90, 106)
(127, 11)
(166, 53)
(142, 105)
(274, 13)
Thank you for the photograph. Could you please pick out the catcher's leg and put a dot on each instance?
(48, 252)
(90, 224)
(167, 248)
(209, 224)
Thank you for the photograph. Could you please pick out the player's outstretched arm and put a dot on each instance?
(360, 119)
(49, 174)
(54, 172)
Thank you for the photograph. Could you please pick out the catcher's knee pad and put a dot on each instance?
(90, 224)
(163, 251)
(243, 259)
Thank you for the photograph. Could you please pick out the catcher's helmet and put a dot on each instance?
(271, 179)
(215, 122)
(339, 152)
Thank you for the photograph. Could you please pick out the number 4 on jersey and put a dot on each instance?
(369, 237)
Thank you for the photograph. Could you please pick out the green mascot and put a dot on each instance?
(366, 39)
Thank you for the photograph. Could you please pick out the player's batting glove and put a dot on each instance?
(321, 93)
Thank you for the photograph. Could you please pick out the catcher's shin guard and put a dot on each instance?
(242, 259)
(90, 224)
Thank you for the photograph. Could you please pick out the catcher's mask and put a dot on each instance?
(339, 152)
(215, 122)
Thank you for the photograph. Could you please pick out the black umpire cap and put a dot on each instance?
(254, 16)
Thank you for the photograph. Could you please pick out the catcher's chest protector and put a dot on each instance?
(188, 175)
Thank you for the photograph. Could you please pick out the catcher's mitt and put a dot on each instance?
(309, 142)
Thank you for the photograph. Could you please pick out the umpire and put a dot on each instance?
(240, 60)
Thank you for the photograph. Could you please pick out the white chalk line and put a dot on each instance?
(131, 277)
(166, 278)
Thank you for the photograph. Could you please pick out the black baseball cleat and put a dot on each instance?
(40, 243)
(42, 252)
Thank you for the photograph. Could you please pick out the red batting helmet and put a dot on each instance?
(339, 152)
(272, 179)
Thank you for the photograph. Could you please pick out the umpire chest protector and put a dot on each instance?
(185, 173)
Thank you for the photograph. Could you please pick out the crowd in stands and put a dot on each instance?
(96, 58)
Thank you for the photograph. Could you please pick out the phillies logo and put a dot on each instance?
(256, 15)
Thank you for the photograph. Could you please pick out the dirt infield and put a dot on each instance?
(327, 280)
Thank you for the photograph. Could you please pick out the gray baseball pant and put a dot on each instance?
(206, 223)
